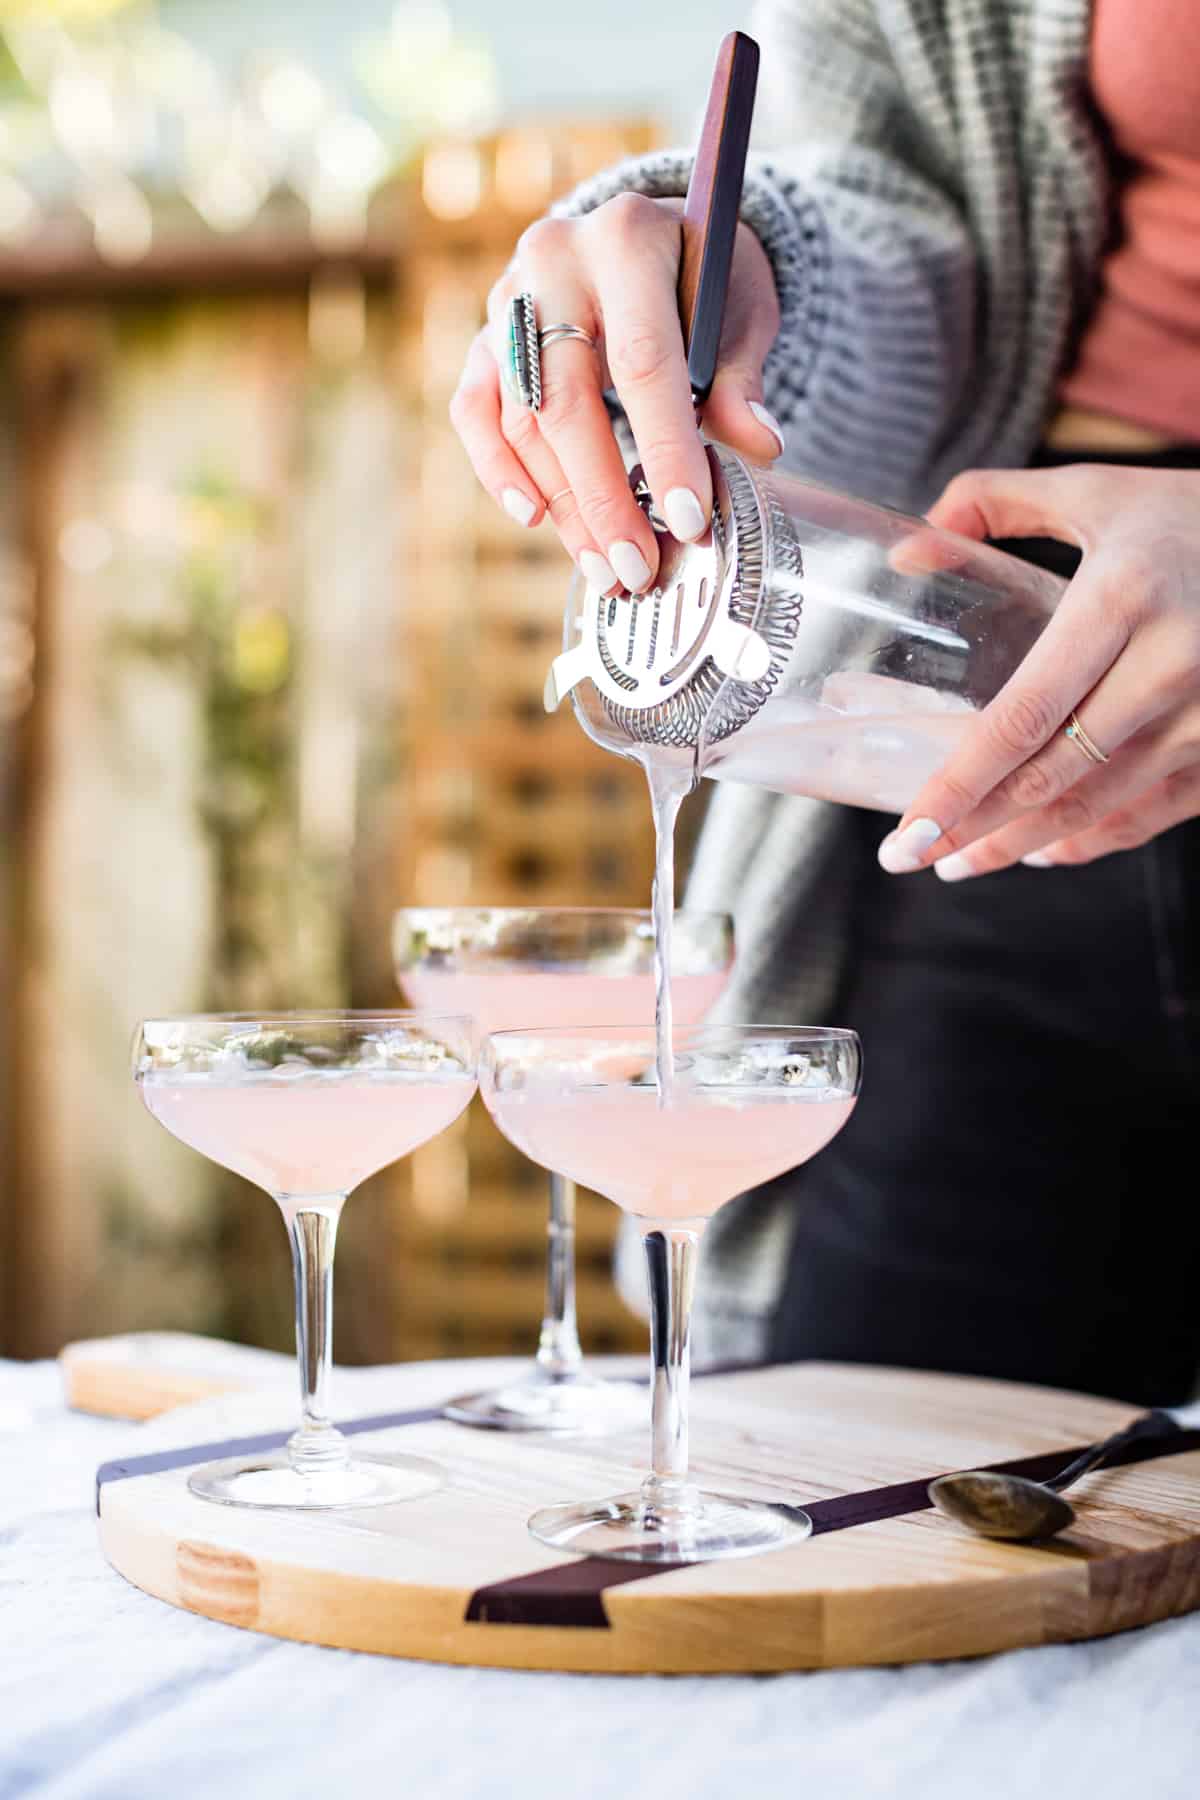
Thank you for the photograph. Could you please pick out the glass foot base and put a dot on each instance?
(576, 1403)
(711, 1527)
(271, 1481)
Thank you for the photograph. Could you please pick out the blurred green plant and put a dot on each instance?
(236, 651)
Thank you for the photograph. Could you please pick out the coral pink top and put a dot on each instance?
(1140, 354)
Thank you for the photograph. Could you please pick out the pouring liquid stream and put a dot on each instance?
(669, 786)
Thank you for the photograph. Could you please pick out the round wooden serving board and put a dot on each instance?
(455, 1577)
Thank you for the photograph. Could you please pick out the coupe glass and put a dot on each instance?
(307, 1105)
(746, 1103)
(524, 966)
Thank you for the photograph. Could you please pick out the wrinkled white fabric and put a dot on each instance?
(106, 1694)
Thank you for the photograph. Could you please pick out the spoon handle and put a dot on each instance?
(1147, 1425)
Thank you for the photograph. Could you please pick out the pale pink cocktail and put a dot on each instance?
(677, 1162)
(307, 1106)
(745, 1104)
(312, 1132)
(512, 967)
(500, 1001)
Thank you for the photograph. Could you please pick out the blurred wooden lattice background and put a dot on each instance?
(507, 807)
(287, 673)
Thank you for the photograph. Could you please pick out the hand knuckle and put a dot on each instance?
(640, 355)
(1021, 723)
(545, 240)
(605, 512)
(1034, 784)
(667, 450)
(521, 430)
(1125, 829)
(630, 217)
(1178, 680)
(1140, 585)
(1071, 815)
(565, 404)
(955, 800)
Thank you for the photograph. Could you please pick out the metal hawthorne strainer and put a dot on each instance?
(698, 654)
(694, 658)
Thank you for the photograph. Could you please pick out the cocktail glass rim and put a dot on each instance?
(313, 1016)
(827, 1033)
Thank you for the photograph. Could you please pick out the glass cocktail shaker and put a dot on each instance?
(812, 643)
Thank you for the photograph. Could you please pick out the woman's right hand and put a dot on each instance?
(614, 273)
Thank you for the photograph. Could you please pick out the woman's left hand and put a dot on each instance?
(1122, 652)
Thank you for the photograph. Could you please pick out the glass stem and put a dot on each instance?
(558, 1353)
(671, 1256)
(318, 1446)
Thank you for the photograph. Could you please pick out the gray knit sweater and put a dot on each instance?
(932, 192)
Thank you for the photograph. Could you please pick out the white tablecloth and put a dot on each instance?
(105, 1692)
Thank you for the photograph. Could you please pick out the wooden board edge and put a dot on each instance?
(735, 1634)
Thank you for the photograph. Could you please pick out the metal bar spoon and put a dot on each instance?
(1013, 1507)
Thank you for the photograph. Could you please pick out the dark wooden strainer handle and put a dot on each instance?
(710, 214)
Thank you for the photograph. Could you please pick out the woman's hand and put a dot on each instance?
(614, 273)
(1122, 652)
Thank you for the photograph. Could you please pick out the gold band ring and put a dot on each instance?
(561, 495)
(1074, 730)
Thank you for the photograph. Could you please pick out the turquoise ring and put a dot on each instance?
(521, 369)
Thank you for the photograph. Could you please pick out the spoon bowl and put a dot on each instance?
(996, 1505)
(1002, 1506)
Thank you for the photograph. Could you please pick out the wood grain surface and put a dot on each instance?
(401, 1580)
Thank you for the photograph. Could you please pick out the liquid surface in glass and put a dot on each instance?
(311, 1131)
(508, 1000)
(673, 1162)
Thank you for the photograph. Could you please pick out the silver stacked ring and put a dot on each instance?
(521, 369)
(553, 333)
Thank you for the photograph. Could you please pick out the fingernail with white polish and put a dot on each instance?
(683, 513)
(1037, 859)
(517, 505)
(900, 854)
(630, 564)
(953, 868)
(596, 571)
(770, 421)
